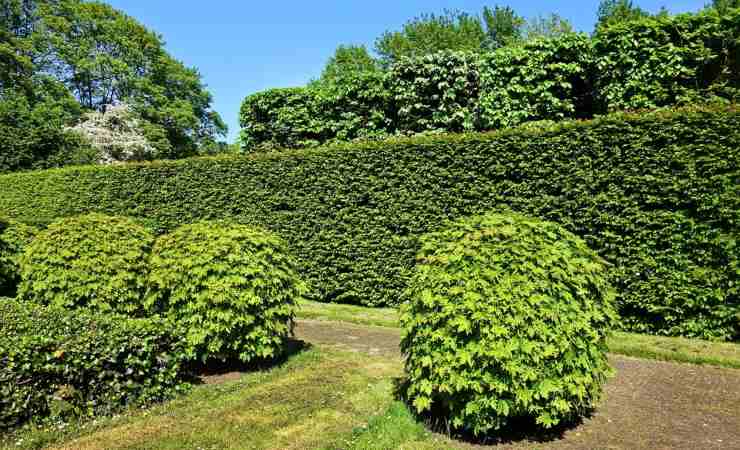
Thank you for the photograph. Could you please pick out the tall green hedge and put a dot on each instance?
(657, 195)
(647, 63)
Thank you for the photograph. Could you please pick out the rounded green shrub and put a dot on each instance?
(234, 289)
(60, 364)
(14, 237)
(506, 318)
(92, 261)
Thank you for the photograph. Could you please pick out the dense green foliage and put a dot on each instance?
(348, 60)
(32, 121)
(656, 194)
(356, 106)
(545, 79)
(233, 288)
(279, 118)
(665, 60)
(430, 33)
(58, 57)
(345, 107)
(652, 62)
(436, 92)
(91, 261)
(14, 237)
(62, 364)
(506, 317)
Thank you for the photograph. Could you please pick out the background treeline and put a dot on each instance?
(457, 73)
(656, 194)
(62, 60)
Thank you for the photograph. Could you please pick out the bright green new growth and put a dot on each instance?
(234, 288)
(507, 317)
(91, 261)
(14, 237)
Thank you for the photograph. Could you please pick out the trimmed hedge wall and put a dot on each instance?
(657, 195)
(62, 364)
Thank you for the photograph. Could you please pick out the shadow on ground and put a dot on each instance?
(218, 371)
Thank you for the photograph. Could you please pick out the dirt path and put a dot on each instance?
(649, 404)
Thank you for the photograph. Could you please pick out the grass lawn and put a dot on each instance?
(662, 348)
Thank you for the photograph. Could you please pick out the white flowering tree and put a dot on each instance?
(117, 135)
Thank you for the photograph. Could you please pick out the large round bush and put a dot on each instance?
(234, 288)
(92, 261)
(506, 317)
(14, 237)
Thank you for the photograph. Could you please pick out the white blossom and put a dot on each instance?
(116, 134)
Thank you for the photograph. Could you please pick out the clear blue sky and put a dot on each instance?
(242, 47)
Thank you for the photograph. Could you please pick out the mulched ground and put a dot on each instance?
(648, 405)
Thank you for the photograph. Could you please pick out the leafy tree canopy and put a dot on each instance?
(349, 60)
(549, 26)
(503, 26)
(459, 31)
(101, 57)
(723, 5)
(617, 11)
(430, 33)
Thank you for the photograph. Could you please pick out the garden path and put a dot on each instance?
(649, 404)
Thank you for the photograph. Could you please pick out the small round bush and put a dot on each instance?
(92, 261)
(14, 237)
(233, 287)
(506, 318)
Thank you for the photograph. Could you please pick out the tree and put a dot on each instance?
(99, 57)
(549, 26)
(105, 57)
(503, 26)
(617, 11)
(723, 5)
(118, 134)
(33, 118)
(430, 33)
(349, 60)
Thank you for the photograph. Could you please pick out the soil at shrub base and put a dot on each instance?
(648, 404)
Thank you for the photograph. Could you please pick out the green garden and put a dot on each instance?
(491, 231)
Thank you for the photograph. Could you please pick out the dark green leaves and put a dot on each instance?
(657, 195)
(663, 61)
(14, 237)
(655, 62)
(64, 364)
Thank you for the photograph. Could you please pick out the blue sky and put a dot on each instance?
(243, 46)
